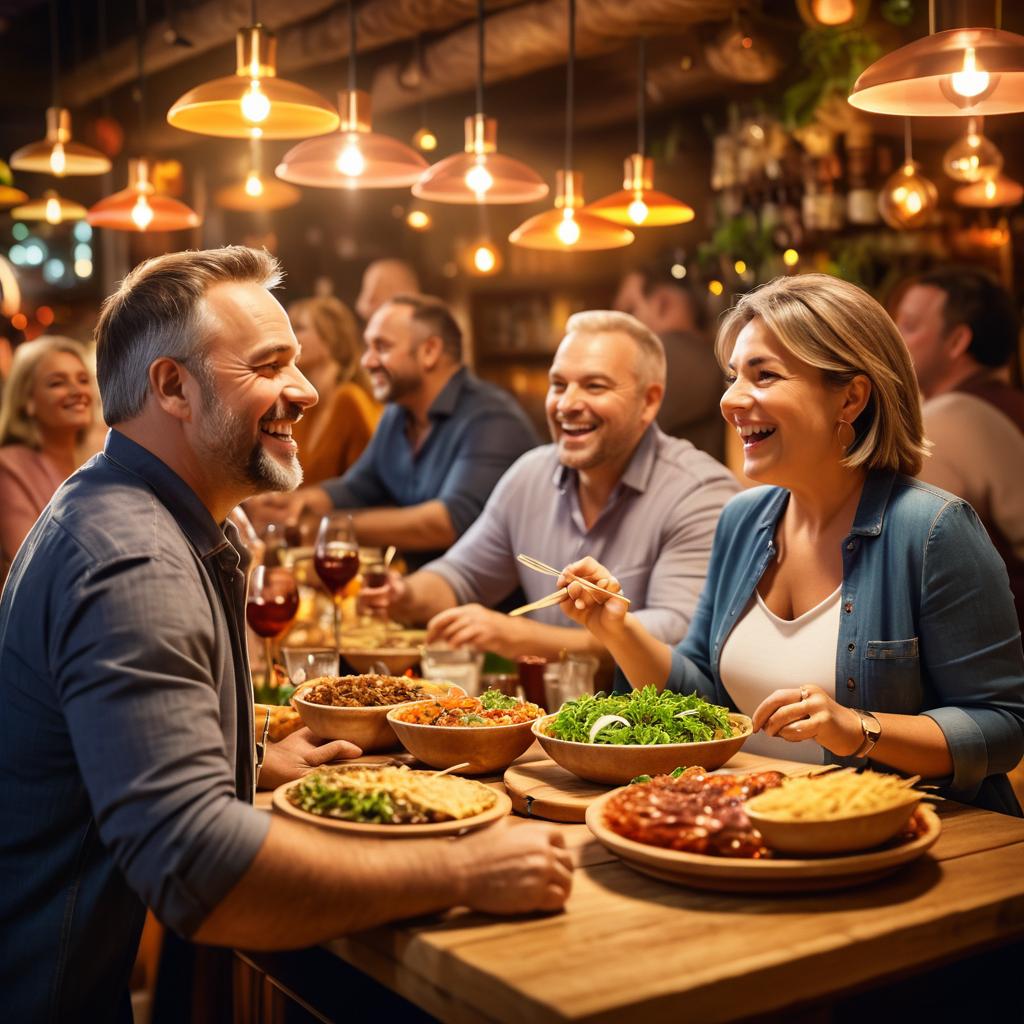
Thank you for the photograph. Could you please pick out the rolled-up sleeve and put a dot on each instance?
(971, 648)
(134, 679)
(489, 444)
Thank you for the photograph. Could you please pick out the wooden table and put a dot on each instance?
(629, 947)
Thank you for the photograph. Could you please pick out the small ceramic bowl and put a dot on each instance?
(367, 728)
(616, 764)
(485, 749)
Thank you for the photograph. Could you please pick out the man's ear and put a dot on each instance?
(958, 341)
(431, 349)
(167, 385)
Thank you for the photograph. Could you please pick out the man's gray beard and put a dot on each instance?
(228, 447)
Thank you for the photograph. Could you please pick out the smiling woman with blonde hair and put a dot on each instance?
(852, 611)
(46, 411)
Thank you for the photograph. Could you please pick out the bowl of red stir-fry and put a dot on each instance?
(485, 733)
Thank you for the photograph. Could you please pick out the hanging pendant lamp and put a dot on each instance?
(9, 195)
(998, 191)
(973, 157)
(354, 156)
(638, 203)
(961, 71)
(257, 192)
(908, 198)
(138, 207)
(52, 208)
(568, 227)
(424, 138)
(58, 153)
(480, 174)
(253, 102)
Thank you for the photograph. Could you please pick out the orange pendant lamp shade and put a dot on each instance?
(480, 174)
(58, 154)
(138, 208)
(568, 227)
(257, 193)
(1000, 191)
(638, 204)
(353, 157)
(52, 208)
(9, 195)
(254, 102)
(961, 71)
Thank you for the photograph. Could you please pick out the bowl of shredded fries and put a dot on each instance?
(485, 733)
(834, 812)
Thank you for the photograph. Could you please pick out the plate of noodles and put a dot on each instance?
(388, 801)
(691, 828)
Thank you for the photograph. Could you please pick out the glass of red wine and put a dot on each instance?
(336, 560)
(375, 574)
(271, 607)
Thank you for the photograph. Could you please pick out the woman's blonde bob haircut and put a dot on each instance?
(842, 331)
(16, 426)
(334, 323)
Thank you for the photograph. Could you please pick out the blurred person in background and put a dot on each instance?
(962, 331)
(333, 434)
(668, 306)
(45, 414)
(382, 281)
(442, 444)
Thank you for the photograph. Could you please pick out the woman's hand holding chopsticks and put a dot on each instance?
(598, 610)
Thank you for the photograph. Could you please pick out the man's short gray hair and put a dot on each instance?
(650, 352)
(158, 312)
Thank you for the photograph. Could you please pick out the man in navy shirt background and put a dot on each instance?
(442, 444)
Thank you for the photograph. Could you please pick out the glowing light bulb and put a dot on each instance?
(637, 211)
(58, 160)
(969, 81)
(351, 161)
(425, 139)
(479, 179)
(791, 257)
(907, 199)
(678, 271)
(716, 287)
(53, 215)
(972, 158)
(833, 12)
(255, 105)
(253, 185)
(990, 189)
(142, 213)
(484, 259)
(913, 203)
(740, 267)
(418, 220)
(568, 231)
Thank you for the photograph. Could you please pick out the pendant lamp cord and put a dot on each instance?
(570, 85)
(54, 54)
(479, 56)
(641, 96)
(140, 25)
(253, 13)
(351, 46)
(908, 150)
(931, 17)
(999, 14)
(101, 37)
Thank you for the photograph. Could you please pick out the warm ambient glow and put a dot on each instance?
(678, 271)
(351, 161)
(971, 81)
(833, 12)
(142, 213)
(479, 180)
(255, 105)
(568, 230)
(485, 260)
(972, 157)
(908, 198)
(637, 211)
(253, 185)
(740, 267)
(791, 257)
(53, 210)
(716, 287)
(425, 139)
(418, 220)
(58, 160)
(999, 191)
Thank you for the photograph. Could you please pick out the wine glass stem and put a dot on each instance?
(336, 605)
(268, 647)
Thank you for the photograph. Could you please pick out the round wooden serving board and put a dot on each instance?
(543, 789)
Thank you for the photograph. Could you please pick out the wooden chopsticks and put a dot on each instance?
(559, 595)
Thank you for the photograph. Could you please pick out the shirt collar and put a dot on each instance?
(181, 501)
(638, 471)
(448, 400)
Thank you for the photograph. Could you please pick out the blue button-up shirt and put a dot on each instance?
(927, 622)
(126, 739)
(654, 533)
(477, 430)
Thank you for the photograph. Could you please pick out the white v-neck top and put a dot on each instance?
(764, 653)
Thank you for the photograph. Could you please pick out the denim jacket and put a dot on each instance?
(927, 624)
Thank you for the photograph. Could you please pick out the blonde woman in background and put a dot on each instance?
(333, 434)
(46, 412)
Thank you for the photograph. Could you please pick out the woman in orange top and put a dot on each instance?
(47, 410)
(333, 434)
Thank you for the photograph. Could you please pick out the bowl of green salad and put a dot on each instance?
(612, 738)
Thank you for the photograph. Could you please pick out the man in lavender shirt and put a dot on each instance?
(611, 484)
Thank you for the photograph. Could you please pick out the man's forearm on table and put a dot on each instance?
(423, 527)
(426, 594)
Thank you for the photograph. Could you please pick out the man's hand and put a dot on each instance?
(285, 508)
(383, 598)
(473, 625)
(514, 869)
(298, 754)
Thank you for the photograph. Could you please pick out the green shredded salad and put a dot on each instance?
(652, 718)
(495, 700)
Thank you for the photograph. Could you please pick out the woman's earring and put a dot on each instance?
(845, 445)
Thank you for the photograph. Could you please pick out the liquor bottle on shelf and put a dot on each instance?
(862, 196)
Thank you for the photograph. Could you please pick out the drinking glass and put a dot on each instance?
(305, 663)
(461, 666)
(270, 608)
(336, 560)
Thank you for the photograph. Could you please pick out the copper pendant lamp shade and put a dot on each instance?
(961, 71)
(480, 174)
(253, 102)
(58, 154)
(639, 204)
(9, 196)
(568, 227)
(138, 208)
(256, 193)
(354, 156)
(1000, 191)
(52, 207)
